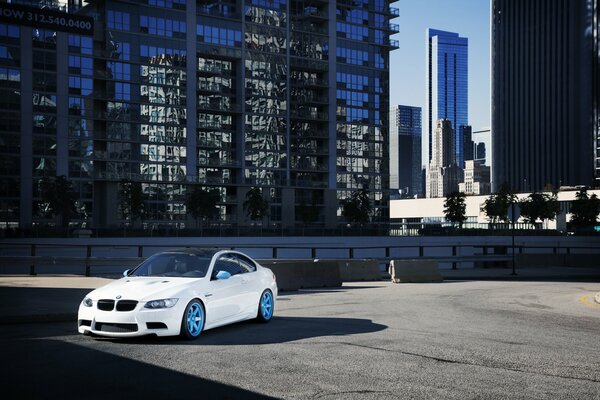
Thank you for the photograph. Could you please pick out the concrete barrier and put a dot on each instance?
(359, 270)
(419, 270)
(299, 274)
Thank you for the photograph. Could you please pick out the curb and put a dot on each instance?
(32, 319)
(597, 298)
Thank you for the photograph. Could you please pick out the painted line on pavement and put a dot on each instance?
(588, 300)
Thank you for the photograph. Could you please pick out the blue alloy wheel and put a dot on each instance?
(193, 320)
(265, 307)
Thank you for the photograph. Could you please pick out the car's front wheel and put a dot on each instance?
(266, 306)
(192, 322)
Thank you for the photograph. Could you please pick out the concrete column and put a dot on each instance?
(62, 104)
(191, 114)
(331, 193)
(26, 188)
(332, 181)
(288, 210)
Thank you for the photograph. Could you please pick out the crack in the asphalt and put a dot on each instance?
(445, 360)
(366, 391)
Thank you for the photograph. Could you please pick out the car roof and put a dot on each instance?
(197, 251)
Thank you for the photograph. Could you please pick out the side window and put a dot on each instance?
(227, 263)
(246, 264)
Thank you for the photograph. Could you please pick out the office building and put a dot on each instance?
(289, 96)
(443, 174)
(405, 150)
(447, 88)
(476, 178)
(596, 86)
(482, 142)
(544, 79)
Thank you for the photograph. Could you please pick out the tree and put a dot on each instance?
(496, 206)
(585, 209)
(255, 205)
(132, 201)
(357, 209)
(202, 204)
(539, 206)
(58, 198)
(455, 208)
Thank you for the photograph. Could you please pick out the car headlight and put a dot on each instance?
(87, 302)
(163, 303)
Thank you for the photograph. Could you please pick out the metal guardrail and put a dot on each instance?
(481, 252)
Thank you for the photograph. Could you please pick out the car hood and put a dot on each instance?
(143, 288)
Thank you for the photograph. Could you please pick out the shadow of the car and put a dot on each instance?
(279, 330)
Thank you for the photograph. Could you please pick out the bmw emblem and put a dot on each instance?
(118, 297)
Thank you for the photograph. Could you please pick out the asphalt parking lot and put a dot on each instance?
(458, 340)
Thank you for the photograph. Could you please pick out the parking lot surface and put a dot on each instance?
(372, 340)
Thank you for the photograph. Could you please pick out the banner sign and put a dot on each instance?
(46, 18)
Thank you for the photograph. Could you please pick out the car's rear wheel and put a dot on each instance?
(266, 306)
(192, 322)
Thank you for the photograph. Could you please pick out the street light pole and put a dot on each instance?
(514, 206)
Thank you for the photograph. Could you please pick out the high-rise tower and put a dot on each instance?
(544, 53)
(447, 88)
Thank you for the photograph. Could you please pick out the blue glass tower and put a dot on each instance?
(447, 87)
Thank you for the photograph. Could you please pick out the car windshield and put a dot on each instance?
(173, 264)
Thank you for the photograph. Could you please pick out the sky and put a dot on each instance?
(468, 18)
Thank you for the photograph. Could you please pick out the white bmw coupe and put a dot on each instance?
(181, 292)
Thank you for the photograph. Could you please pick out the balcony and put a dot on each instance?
(395, 28)
(309, 115)
(211, 69)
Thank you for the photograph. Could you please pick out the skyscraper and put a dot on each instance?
(291, 96)
(443, 174)
(405, 149)
(447, 88)
(543, 83)
(596, 86)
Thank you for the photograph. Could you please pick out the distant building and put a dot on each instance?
(447, 88)
(468, 145)
(443, 174)
(476, 178)
(405, 150)
(482, 143)
(544, 93)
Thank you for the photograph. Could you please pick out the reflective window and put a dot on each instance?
(118, 20)
(162, 26)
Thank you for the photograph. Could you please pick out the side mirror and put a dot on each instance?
(223, 275)
(126, 272)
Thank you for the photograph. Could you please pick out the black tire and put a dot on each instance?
(192, 321)
(266, 307)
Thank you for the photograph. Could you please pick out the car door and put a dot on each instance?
(250, 283)
(223, 298)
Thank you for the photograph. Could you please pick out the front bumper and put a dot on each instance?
(138, 322)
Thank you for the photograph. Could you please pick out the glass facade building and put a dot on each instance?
(447, 88)
(289, 96)
(405, 150)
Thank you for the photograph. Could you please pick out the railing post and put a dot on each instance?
(421, 252)
(453, 255)
(32, 265)
(140, 251)
(313, 253)
(351, 252)
(274, 252)
(387, 252)
(87, 260)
